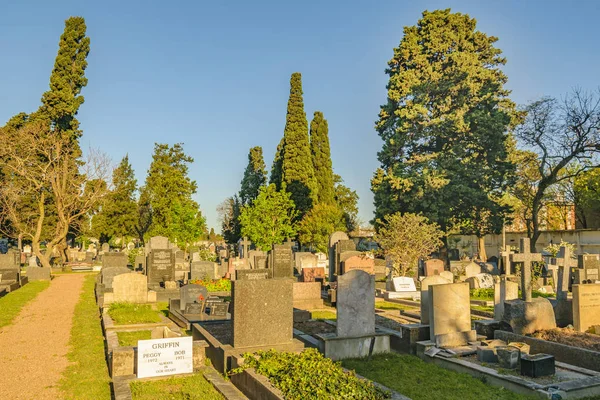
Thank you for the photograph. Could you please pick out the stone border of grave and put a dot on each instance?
(573, 389)
(109, 325)
(576, 356)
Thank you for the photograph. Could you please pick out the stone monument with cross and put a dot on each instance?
(245, 247)
(525, 257)
(505, 257)
(563, 309)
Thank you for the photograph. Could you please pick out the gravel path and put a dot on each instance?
(33, 349)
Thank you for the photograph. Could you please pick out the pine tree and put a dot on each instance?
(297, 169)
(276, 173)
(321, 159)
(255, 176)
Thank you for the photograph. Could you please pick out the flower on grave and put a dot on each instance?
(201, 297)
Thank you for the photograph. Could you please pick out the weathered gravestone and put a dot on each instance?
(110, 260)
(260, 262)
(449, 276)
(35, 273)
(503, 291)
(480, 281)
(311, 274)
(203, 269)
(361, 262)
(262, 312)
(108, 275)
(589, 269)
(282, 261)
(433, 267)
(343, 250)
(129, 287)
(253, 274)
(563, 309)
(472, 269)
(505, 257)
(297, 256)
(307, 295)
(105, 247)
(450, 315)
(190, 294)
(140, 263)
(158, 242)
(306, 261)
(355, 304)
(8, 261)
(525, 257)
(586, 306)
(160, 266)
(333, 239)
(425, 283)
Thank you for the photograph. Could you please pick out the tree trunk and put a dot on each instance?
(444, 253)
(481, 247)
(535, 234)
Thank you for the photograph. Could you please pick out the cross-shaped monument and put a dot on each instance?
(564, 262)
(505, 256)
(245, 243)
(526, 257)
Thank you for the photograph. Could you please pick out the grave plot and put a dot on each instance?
(195, 304)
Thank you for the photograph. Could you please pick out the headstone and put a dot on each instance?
(160, 266)
(159, 242)
(589, 268)
(33, 261)
(355, 304)
(425, 283)
(108, 275)
(105, 247)
(564, 262)
(403, 284)
(253, 274)
(480, 281)
(260, 262)
(306, 261)
(311, 274)
(262, 312)
(245, 246)
(307, 295)
(161, 357)
(472, 269)
(38, 274)
(8, 260)
(333, 239)
(361, 262)
(450, 315)
(505, 265)
(27, 249)
(203, 269)
(525, 257)
(297, 256)
(282, 261)
(341, 248)
(433, 267)
(503, 291)
(453, 254)
(447, 275)
(189, 294)
(110, 260)
(131, 288)
(586, 306)
(140, 263)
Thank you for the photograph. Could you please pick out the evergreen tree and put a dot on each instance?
(321, 159)
(229, 215)
(297, 168)
(318, 224)
(255, 176)
(346, 200)
(445, 127)
(276, 172)
(118, 215)
(169, 189)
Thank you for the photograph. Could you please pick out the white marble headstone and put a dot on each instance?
(404, 284)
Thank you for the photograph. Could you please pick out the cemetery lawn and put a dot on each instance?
(193, 387)
(87, 376)
(387, 305)
(131, 338)
(409, 375)
(483, 308)
(323, 315)
(13, 302)
(128, 313)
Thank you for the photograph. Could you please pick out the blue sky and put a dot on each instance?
(215, 75)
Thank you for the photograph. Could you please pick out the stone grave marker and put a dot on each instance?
(425, 283)
(113, 259)
(253, 274)
(245, 246)
(129, 287)
(433, 267)
(449, 276)
(333, 239)
(158, 243)
(189, 294)
(306, 261)
(480, 281)
(472, 269)
(589, 269)
(450, 315)
(161, 357)
(282, 261)
(361, 262)
(105, 247)
(260, 262)
(310, 274)
(564, 263)
(404, 284)
(355, 304)
(203, 269)
(307, 295)
(525, 257)
(140, 263)
(108, 275)
(160, 266)
(505, 257)
(341, 248)
(586, 306)
(503, 291)
(262, 312)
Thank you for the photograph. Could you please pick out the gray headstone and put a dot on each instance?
(108, 274)
(111, 260)
(130, 288)
(105, 247)
(355, 304)
(159, 242)
(190, 294)
(203, 269)
(425, 283)
(253, 274)
(282, 261)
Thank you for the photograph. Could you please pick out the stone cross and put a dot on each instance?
(526, 258)
(564, 262)
(505, 255)
(245, 244)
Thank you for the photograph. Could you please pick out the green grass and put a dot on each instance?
(323, 315)
(483, 308)
(482, 294)
(131, 338)
(408, 375)
(13, 302)
(194, 387)
(387, 305)
(87, 375)
(127, 313)
(163, 307)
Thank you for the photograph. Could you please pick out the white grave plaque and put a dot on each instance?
(404, 284)
(159, 357)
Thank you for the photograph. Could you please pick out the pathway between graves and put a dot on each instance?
(33, 349)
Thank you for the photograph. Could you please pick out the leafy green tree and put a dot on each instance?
(297, 169)
(405, 238)
(318, 224)
(255, 176)
(586, 189)
(270, 218)
(445, 127)
(118, 215)
(321, 158)
(229, 216)
(169, 189)
(346, 200)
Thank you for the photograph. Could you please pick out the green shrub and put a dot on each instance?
(310, 376)
(218, 285)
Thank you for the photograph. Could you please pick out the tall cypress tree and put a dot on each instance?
(297, 168)
(276, 173)
(321, 158)
(255, 176)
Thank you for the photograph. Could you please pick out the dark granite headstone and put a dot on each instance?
(253, 274)
(342, 246)
(219, 309)
(537, 365)
(190, 294)
(282, 261)
(160, 266)
(260, 262)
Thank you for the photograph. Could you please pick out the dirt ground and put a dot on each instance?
(33, 349)
(571, 338)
